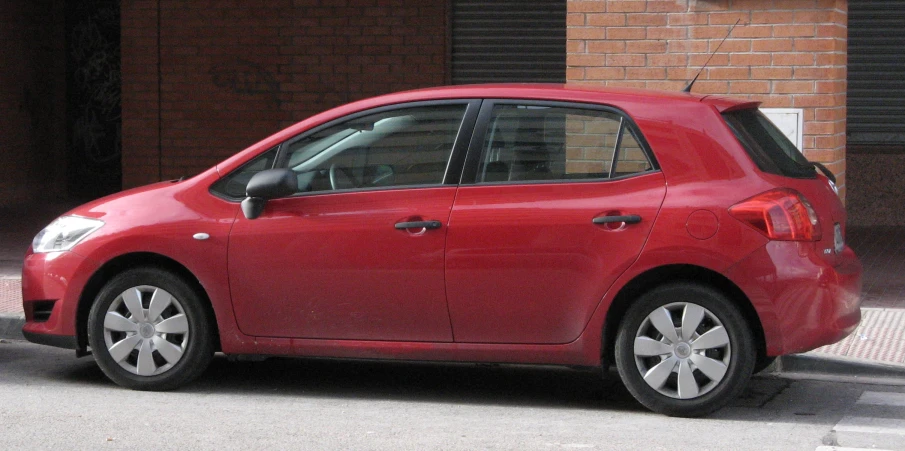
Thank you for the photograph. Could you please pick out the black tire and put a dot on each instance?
(736, 357)
(192, 350)
(762, 363)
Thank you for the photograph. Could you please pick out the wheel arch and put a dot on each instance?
(662, 275)
(125, 262)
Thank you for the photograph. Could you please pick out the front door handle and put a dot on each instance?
(418, 225)
(628, 219)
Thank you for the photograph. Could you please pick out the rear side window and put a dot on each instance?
(767, 145)
(540, 143)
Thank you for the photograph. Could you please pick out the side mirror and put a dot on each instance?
(266, 185)
(272, 184)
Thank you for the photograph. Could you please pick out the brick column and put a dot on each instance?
(785, 53)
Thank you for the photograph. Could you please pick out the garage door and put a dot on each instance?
(876, 72)
(508, 41)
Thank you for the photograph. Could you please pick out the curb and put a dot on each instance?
(11, 327)
(837, 368)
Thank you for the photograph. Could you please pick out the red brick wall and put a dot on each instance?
(786, 53)
(233, 72)
(32, 101)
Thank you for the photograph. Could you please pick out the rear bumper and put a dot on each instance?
(803, 302)
(52, 284)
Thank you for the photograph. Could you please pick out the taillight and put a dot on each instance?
(780, 214)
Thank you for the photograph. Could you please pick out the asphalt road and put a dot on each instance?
(51, 400)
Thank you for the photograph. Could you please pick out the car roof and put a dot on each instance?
(570, 92)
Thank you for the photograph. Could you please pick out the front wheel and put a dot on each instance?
(684, 350)
(149, 330)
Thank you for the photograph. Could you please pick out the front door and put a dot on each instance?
(359, 252)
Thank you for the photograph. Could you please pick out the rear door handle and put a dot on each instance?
(418, 225)
(628, 219)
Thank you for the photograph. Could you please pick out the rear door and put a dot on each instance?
(556, 202)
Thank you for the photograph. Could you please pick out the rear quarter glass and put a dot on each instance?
(767, 146)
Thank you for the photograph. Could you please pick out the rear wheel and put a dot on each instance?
(149, 330)
(684, 350)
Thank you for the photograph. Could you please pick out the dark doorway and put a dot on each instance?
(93, 85)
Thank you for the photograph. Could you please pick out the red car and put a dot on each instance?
(680, 237)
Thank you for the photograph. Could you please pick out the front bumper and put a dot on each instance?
(52, 284)
(58, 341)
(803, 301)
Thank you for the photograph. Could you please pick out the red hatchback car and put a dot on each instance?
(680, 237)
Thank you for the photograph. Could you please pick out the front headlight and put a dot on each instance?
(64, 233)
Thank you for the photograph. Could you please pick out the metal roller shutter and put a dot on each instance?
(508, 41)
(876, 72)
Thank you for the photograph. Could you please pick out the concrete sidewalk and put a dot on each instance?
(11, 316)
(879, 339)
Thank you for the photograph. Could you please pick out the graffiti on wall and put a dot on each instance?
(244, 77)
(94, 87)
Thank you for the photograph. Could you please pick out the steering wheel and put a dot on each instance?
(340, 177)
(378, 180)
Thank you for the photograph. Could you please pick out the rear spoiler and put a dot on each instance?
(726, 104)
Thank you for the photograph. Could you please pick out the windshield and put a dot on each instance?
(770, 149)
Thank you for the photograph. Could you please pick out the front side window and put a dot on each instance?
(537, 143)
(404, 147)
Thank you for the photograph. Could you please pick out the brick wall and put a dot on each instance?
(226, 74)
(591, 141)
(32, 101)
(786, 53)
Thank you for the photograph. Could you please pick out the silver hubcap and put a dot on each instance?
(146, 330)
(682, 350)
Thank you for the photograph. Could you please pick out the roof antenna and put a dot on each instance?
(688, 88)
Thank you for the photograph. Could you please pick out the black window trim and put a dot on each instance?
(476, 147)
(615, 157)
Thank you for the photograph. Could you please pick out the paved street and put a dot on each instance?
(50, 400)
